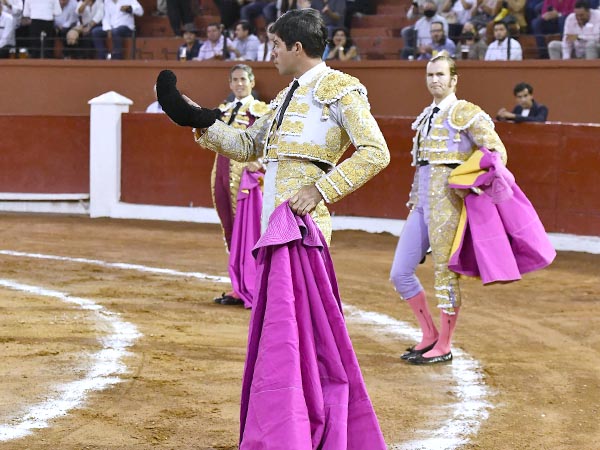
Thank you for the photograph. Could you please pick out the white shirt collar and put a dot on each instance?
(309, 75)
(445, 103)
(243, 100)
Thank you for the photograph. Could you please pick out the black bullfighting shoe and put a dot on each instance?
(422, 360)
(410, 351)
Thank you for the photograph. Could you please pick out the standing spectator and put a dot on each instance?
(191, 45)
(229, 11)
(7, 32)
(550, 21)
(504, 48)
(213, 46)
(41, 29)
(65, 21)
(118, 23)
(420, 33)
(79, 38)
(179, 13)
(245, 45)
(471, 46)
(341, 47)
(332, 11)
(581, 34)
(439, 42)
(15, 9)
(526, 109)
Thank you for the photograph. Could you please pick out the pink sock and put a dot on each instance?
(418, 304)
(447, 325)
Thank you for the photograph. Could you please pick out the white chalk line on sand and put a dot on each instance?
(471, 393)
(106, 365)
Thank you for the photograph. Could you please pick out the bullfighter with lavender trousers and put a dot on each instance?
(448, 132)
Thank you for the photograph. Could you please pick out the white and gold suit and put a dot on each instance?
(328, 111)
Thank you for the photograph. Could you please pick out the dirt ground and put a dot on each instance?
(536, 341)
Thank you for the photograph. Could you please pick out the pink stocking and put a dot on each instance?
(447, 325)
(418, 304)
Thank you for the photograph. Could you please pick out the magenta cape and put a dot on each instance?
(302, 388)
(500, 236)
(246, 231)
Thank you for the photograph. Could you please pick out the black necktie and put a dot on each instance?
(433, 113)
(238, 105)
(286, 102)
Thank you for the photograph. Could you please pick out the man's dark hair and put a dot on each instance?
(245, 25)
(305, 26)
(582, 4)
(521, 87)
(501, 22)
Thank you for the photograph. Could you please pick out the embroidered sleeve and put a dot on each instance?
(371, 154)
(484, 135)
(236, 144)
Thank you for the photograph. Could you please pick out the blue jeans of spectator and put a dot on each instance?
(541, 27)
(409, 37)
(118, 34)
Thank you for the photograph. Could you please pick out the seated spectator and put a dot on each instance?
(191, 45)
(118, 23)
(255, 8)
(471, 46)
(332, 11)
(439, 42)
(504, 48)
(550, 21)
(483, 13)
(266, 46)
(212, 48)
(420, 33)
(581, 34)
(79, 38)
(341, 47)
(526, 109)
(512, 12)
(64, 22)
(456, 13)
(7, 33)
(41, 28)
(245, 45)
(357, 8)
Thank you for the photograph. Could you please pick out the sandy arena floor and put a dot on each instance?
(526, 373)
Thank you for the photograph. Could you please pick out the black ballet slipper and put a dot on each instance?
(175, 106)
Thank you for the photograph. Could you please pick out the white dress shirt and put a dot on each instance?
(91, 13)
(115, 18)
(15, 9)
(498, 51)
(210, 50)
(260, 52)
(7, 30)
(41, 9)
(68, 17)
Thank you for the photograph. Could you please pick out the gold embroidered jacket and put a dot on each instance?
(322, 119)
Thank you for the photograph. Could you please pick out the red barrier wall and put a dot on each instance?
(45, 154)
(396, 88)
(555, 164)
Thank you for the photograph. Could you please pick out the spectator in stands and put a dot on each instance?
(483, 13)
(526, 109)
(581, 34)
(213, 46)
(191, 45)
(41, 29)
(332, 11)
(79, 38)
(357, 8)
(504, 48)
(420, 33)
(439, 42)
(471, 46)
(341, 47)
(118, 23)
(179, 13)
(15, 9)
(456, 13)
(266, 46)
(229, 11)
(64, 22)
(7, 32)
(245, 45)
(255, 8)
(550, 21)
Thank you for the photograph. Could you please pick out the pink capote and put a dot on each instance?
(302, 386)
(500, 236)
(246, 231)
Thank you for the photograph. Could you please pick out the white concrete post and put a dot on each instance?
(105, 152)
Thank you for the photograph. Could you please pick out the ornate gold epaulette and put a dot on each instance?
(224, 106)
(258, 108)
(277, 100)
(333, 85)
(462, 114)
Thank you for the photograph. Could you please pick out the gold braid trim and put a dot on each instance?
(333, 85)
